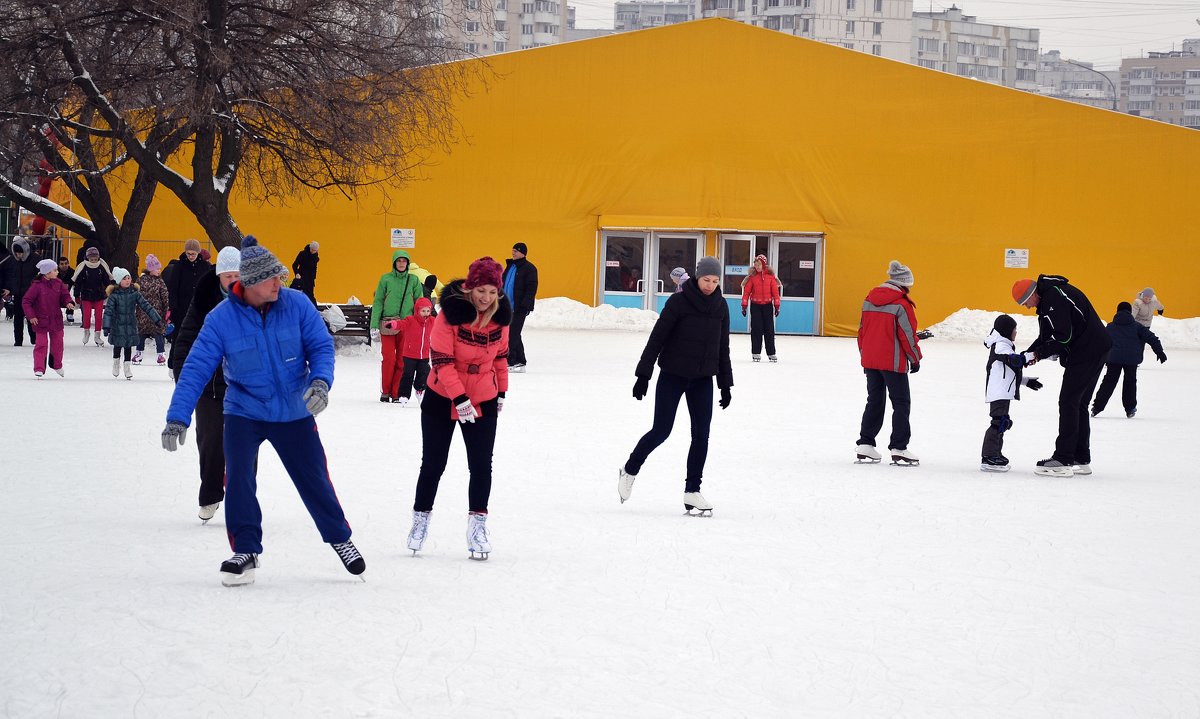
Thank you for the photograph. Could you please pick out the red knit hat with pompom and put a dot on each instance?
(484, 271)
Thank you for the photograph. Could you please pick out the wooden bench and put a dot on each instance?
(358, 321)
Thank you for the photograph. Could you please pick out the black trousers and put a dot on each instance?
(667, 393)
(880, 385)
(19, 322)
(118, 351)
(1109, 383)
(210, 441)
(762, 324)
(437, 429)
(516, 348)
(413, 375)
(1074, 443)
(993, 438)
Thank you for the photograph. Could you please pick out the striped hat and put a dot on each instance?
(258, 264)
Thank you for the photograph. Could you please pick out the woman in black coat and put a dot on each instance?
(690, 341)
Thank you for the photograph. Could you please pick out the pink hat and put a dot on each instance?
(484, 271)
(153, 264)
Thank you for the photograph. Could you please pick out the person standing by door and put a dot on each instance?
(760, 294)
(520, 286)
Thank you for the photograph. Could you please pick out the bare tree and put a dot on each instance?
(283, 95)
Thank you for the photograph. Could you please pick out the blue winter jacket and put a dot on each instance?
(269, 361)
(1129, 340)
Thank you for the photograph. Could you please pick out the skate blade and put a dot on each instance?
(237, 580)
(693, 512)
(479, 556)
(204, 521)
(993, 468)
(905, 464)
(1043, 472)
(866, 460)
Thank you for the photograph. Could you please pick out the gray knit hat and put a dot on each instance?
(899, 274)
(708, 266)
(258, 264)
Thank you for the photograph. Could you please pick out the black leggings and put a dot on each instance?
(437, 429)
(667, 393)
(117, 352)
(762, 325)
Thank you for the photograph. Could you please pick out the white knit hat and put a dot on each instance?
(119, 273)
(229, 259)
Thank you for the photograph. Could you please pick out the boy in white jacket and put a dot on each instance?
(1004, 380)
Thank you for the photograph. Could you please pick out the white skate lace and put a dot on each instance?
(241, 560)
(419, 528)
(480, 542)
(347, 552)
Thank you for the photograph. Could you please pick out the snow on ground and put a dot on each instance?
(819, 588)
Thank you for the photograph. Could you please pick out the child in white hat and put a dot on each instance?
(120, 319)
(43, 304)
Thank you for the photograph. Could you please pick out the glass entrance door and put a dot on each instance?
(797, 263)
(624, 269)
(671, 251)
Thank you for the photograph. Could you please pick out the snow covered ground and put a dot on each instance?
(819, 588)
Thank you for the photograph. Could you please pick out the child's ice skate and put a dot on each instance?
(867, 454)
(208, 511)
(162, 358)
(128, 370)
(479, 544)
(624, 484)
(998, 463)
(695, 505)
(87, 336)
(116, 366)
(137, 357)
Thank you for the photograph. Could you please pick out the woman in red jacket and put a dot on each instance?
(760, 292)
(469, 352)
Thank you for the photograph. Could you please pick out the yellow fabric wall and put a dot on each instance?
(722, 125)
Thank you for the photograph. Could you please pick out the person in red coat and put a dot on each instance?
(760, 294)
(416, 331)
(469, 353)
(42, 305)
(887, 345)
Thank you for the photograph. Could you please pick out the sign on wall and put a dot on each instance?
(737, 269)
(808, 264)
(404, 239)
(1016, 259)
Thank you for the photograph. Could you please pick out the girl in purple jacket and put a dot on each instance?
(43, 305)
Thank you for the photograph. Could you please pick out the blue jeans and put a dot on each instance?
(667, 393)
(160, 343)
(299, 448)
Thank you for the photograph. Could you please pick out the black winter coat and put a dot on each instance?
(18, 275)
(91, 282)
(691, 337)
(181, 284)
(1068, 325)
(1129, 340)
(525, 286)
(207, 296)
(304, 269)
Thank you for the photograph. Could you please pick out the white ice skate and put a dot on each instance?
(772, 358)
(61, 372)
(867, 454)
(1081, 469)
(518, 368)
(38, 375)
(624, 484)
(904, 458)
(87, 336)
(116, 367)
(695, 505)
(99, 338)
(128, 370)
(208, 511)
(479, 544)
(239, 569)
(420, 529)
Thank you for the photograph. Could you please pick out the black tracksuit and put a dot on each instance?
(525, 286)
(17, 276)
(1129, 340)
(181, 285)
(690, 341)
(1071, 329)
(304, 268)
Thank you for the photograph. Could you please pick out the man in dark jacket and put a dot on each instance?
(521, 285)
(1129, 339)
(211, 289)
(304, 270)
(181, 282)
(1070, 330)
(18, 273)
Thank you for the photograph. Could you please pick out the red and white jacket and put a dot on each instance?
(468, 360)
(887, 332)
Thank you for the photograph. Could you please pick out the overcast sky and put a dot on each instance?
(1097, 31)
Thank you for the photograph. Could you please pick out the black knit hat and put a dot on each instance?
(1004, 325)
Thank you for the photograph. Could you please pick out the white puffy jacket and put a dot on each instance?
(1004, 379)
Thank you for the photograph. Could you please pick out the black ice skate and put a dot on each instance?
(867, 454)
(904, 458)
(998, 463)
(350, 557)
(695, 505)
(239, 569)
(1053, 468)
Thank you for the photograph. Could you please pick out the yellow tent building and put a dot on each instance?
(618, 158)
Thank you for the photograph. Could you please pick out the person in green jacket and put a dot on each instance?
(395, 297)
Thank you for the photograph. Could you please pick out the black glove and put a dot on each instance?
(726, 398)
(776, 311)
(743, 312)
(1033, 384)
(1160, 312)
(105, 331)
(1162, 359)
(916, 367)
(641, 387)
(924, 334)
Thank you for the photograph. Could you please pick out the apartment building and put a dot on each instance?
(1075, 81)
(878, 27)
(956, 43)
(486, 27)
(642, 15)
(1164, 86)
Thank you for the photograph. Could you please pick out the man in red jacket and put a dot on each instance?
(887, 344)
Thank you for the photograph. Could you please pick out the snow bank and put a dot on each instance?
(562, 313)
(967, 324)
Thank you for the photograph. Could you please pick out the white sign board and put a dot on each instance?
(1016, 259)
(808, 264)
(612, 263)
(404, 239)
(737, 269)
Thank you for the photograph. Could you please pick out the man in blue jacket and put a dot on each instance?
(277, 357)
(1129, 340)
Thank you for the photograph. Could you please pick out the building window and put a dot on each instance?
(1024, 75)
(472, 26)
(472, 47)
(848, 45)
(877, 49)
(850, 4)
(772, 3)
(501, 47)
(927, 63)
(805, 26)
(501, 4)
(787, 22)
(527, 29)
(772, 23)
(849, 27)
(741, 5)
(877, 30)
(878, 5)
(527, 8)
(501, 25)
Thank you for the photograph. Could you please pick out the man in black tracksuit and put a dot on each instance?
(1069, 329)
(521, 285)
(181, 282)
(304, 270)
